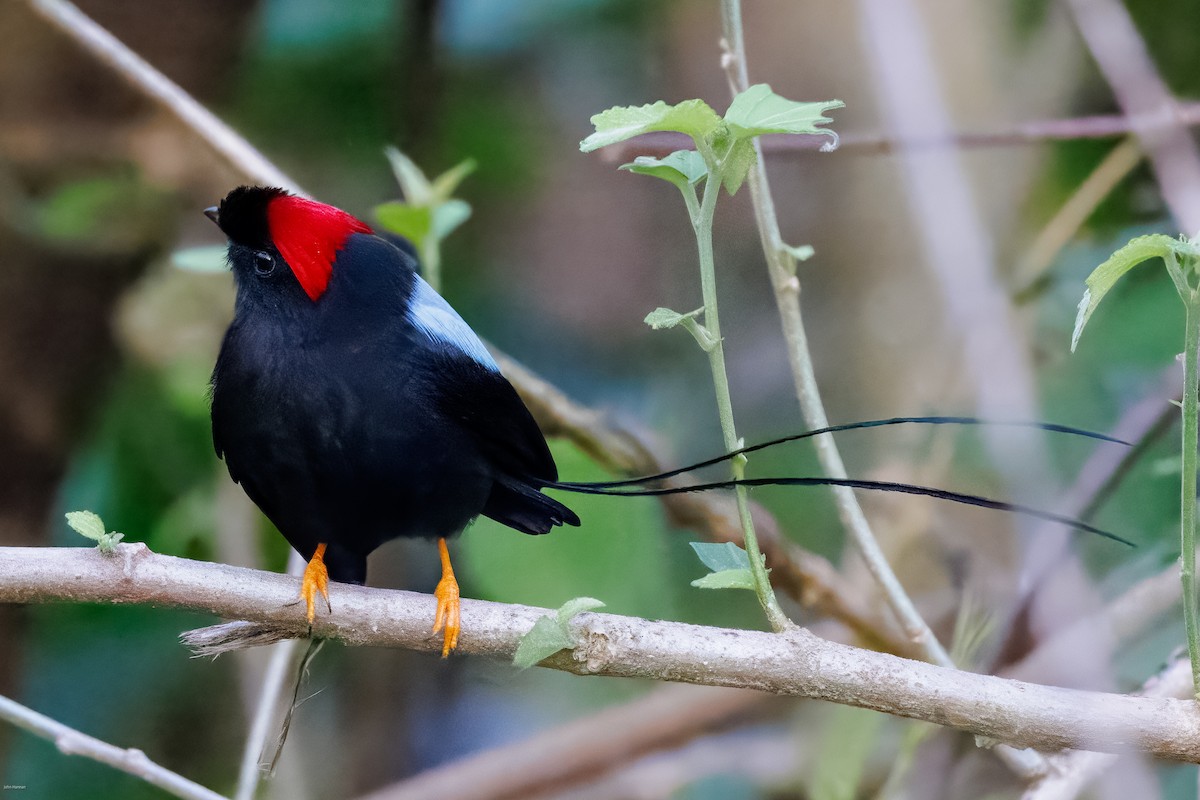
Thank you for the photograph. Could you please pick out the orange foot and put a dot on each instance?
(448, 605)
(316, 579)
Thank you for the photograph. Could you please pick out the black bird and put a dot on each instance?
(354, 405)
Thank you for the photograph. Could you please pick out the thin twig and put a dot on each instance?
(109, 50)
(782, 267)
(272, 690)
(1100, 126)
(794, 663)
(1154, 115)
(1066, 222)
(71, 742)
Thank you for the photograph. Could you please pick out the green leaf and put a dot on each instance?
(759, 110)
(445, 184)
(574, 607)
(692, 117)
(551, 634)
(448, 216)
(682, 168)
(544, 639)
(801, 252)
(410, 221)
(1105, 276)
(89, 525)
(416, 187)
(664, 318)
(210, 258)
(722, 556)
(726, 579)
(737, 164)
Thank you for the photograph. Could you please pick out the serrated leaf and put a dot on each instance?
(759, 110)
(207, 259)
(410, 221)
(544, 639)
(737, 164)
(692, 117)
(726, 579)
(445, 184)
(87, 523)
(573, 607)
(682, 168)
(1105, 276)
(721, 556)
(416, 187)
(448, 215)
(663, 318)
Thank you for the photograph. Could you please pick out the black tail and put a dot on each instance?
(627, 487)
(849, 426)
(853, 483)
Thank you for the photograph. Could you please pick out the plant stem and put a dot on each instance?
(782, 267)
(431, 262)
(702, 224)
(1187, 548)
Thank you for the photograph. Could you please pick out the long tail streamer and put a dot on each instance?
(635, 487)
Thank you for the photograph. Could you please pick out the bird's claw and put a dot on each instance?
(316, 579)
(448, 613)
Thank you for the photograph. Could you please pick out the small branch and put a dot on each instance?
(1066, 222)
(1100, 126)
(73, 743)
(1071, 772)
(782, 267)
(1155, 117)
(581, 749)
(109, 50)
(794, 663)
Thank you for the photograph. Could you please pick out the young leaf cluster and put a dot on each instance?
(724, 145)
(429, 212)
(89, 524)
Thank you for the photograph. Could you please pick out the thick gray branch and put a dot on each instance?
(795, 663)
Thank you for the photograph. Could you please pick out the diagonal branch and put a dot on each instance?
(794, 663)
(1155, 117)
(73, 743)
(566, 754)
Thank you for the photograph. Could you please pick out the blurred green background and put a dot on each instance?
(106, 349)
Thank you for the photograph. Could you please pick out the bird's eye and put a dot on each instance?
(264, 263)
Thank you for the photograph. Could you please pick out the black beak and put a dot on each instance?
(211, 213)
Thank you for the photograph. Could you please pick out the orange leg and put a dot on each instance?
(448, 603)
(316, 579)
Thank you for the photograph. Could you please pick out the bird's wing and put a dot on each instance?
(472, 393)
(484, 403)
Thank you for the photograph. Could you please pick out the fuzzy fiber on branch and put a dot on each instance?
(792, 663)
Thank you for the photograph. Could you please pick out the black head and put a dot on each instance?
(279, 242)
(242, 215)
